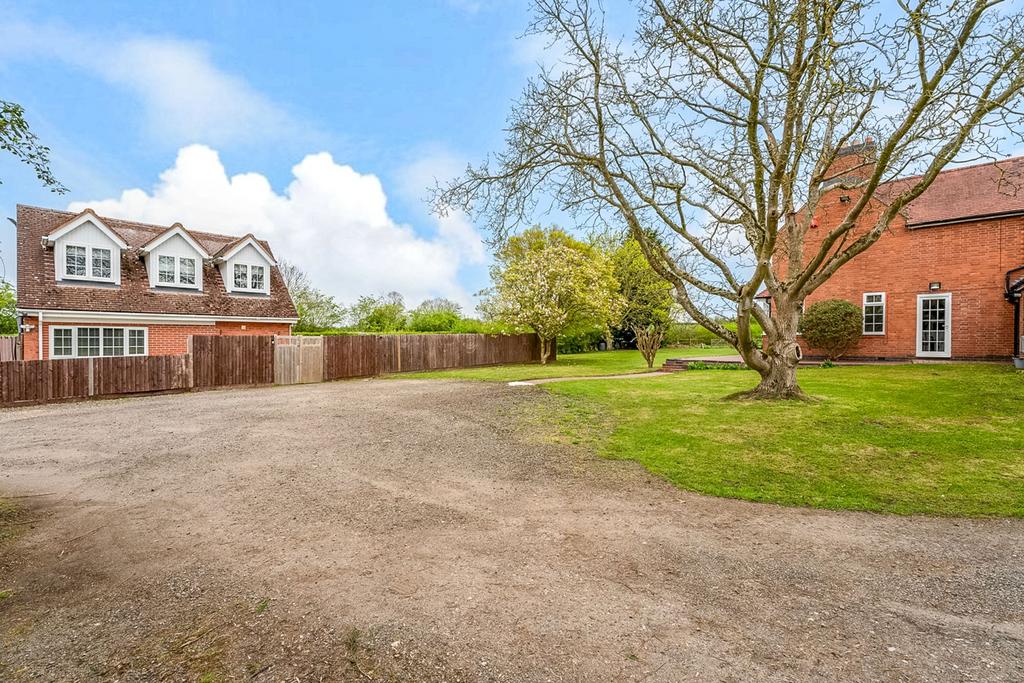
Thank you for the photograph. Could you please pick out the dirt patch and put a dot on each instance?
(413, 530)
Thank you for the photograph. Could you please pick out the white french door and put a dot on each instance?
(934, 325)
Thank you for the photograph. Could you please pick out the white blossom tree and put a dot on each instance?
(548, 282)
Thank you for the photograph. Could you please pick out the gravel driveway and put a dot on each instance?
(416, 530)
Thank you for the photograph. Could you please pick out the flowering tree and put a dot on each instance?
(548, 282)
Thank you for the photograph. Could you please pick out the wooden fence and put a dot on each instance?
(8, 348)
(221, 361)
(40, 381)
(217, 361)
(366, 355)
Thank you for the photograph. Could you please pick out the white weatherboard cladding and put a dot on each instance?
(176, 246)
(250, 256)
(86, 235)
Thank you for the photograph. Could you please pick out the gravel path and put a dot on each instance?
(418, 530)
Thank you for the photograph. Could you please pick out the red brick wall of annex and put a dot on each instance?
(164, 340)
(969, 259)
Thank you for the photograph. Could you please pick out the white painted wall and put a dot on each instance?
(86, 235)
(175, 246)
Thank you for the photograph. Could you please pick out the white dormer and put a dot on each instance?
(245, 267)
(174, 259)
(85, 249)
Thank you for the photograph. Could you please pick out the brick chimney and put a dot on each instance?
(855, 161)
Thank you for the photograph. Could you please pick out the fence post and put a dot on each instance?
(92, 377)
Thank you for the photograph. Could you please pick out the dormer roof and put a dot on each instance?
(179, 230)
(232, 248)
(86, 216)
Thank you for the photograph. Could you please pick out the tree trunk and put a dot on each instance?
(545, 349)
(777, 361)
(648, 341)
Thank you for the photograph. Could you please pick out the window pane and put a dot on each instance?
(257, 277)
(187, 271)
(113, 341)
(101, 263)
(137, 342)
(166, 269)
(62, 343)
(75, 261)
(241, 276)
(88, 341)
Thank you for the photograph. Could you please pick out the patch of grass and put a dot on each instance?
(929, 439)
(262, 606)
(5, 594)
(571, 365)
(10, 515)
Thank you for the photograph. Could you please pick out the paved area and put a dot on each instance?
(425, 530)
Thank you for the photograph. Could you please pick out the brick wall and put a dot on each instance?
(163, 339)
(968, 259)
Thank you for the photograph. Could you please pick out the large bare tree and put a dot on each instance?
(711, 135)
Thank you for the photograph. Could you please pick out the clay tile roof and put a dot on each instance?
(38, 288)
(984, 190)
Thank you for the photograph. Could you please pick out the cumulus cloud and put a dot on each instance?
(331, 220)
(185, 97)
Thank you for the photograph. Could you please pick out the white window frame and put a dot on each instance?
(883, 303)
(248, 278)
(921, 298)
(176, 282)
(89, 277)
(74, 340)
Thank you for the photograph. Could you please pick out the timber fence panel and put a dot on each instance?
(8, 348)
(232, 360)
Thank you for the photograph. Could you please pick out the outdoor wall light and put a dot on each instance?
(934, 286)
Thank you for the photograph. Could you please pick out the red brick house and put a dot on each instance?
(95, 286)
(945, 281)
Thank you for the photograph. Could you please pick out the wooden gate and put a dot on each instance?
(298, 360)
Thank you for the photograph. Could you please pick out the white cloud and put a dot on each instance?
(331, 220)
(185, 97)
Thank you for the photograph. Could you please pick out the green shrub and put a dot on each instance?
(692, 334)
(701, 365)
(580, 341)
(833, 326)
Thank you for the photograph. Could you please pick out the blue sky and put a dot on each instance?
(340, 114)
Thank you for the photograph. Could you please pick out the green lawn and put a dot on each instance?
(572, 365)
(931, 439)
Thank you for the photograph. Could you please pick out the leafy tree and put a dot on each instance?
(716, 133)
(19, 140)
(8, 318)
(435, 315)
(548, 282)
(833, 326)
(317, 311)
(379, 314)
(647, 298)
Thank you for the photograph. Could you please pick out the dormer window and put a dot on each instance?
(245, 266)
(85, 249)
(250, 277)
(176, 271)
(92, 263)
